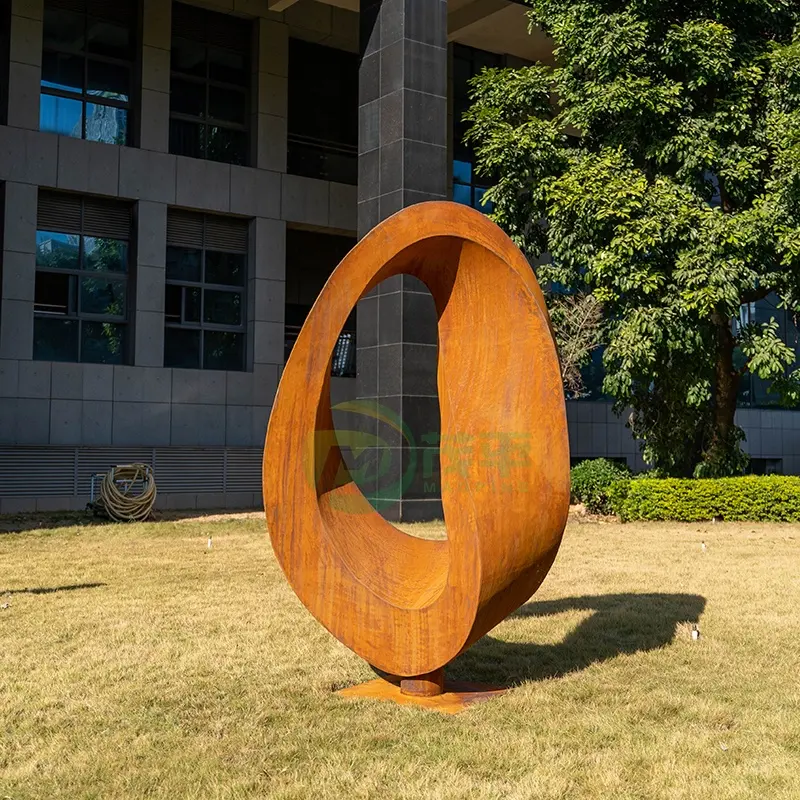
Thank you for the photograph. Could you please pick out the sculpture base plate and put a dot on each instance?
(457, 696)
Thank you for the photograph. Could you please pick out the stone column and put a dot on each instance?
(151, 270)
(19, 204)
(25, 63)
(271, 95)
(153, 119)
(402, 161)
(267, 281)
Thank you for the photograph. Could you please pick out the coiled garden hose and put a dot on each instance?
(116, 499)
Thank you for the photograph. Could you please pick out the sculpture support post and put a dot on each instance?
(429, 685)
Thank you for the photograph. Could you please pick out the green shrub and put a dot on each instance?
(590, 482)
(771, 498)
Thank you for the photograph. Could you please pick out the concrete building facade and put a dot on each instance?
(178, 180)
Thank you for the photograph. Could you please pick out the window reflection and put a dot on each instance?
(57, 250)
(102, 343)
(754, 391)
(223, 350)
(86, 73)
(468, 188)
(105, 255)
(80, 297)
(107, 124)
(62, 116)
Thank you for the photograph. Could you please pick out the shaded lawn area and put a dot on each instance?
(136, 663)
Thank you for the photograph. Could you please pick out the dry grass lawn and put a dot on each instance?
(136, 663)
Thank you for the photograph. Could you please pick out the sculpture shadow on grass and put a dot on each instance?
(53, 589)
(619, 624)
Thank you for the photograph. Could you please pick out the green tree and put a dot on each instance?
(659, 164)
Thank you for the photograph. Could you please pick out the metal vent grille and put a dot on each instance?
(106, 218)
(211, 27)
(188, 23)
(124, 11)
(59, 212)
(95, 460)
(227, 235)
(71, 213)
(196, 470)
(69, 5)
(243, 473)
(67, 471)
(185, 229)
(32, 471)
(198, 231)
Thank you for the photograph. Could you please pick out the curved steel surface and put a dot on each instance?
(406, 605)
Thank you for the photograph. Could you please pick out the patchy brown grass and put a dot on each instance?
(136, 663)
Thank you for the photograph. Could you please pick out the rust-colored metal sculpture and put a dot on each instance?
(406, 605)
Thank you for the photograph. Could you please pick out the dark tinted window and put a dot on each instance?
(323, 112)
(204, 309)
(210, 85)
(310, 260)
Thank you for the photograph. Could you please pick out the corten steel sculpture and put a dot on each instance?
(406, 605)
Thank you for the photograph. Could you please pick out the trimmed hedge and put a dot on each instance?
(770, 498)
(590, 481)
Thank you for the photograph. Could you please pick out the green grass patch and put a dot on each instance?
(137, 663)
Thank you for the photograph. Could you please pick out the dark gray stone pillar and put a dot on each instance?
(402, 161)
(5, 57)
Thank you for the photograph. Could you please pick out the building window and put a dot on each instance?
(323, 112)
(755, 392)
(205, 301)
(468, 188)
(210, 85)
(87, 65)
(765, 466)
(310, 259)
(82, 265)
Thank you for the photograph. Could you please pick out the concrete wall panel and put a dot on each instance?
(203, 184)
(146, 175)
(66, 421)
(89, 167)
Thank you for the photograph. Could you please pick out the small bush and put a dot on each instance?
(771, 498)
(590, 482)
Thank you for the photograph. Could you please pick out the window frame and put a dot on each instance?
(82, 52)
(203, 286)
(205, 122)
(77, 274)
(208, 82)
(304, 248)
(320, 153)
(476, 60)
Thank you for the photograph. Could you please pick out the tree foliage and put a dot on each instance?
(658, 162)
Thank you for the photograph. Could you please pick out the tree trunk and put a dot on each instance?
(726, 390)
